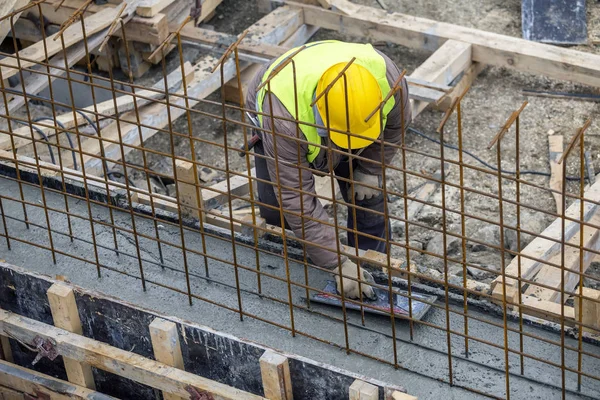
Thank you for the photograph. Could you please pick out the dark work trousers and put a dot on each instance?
(366, 221)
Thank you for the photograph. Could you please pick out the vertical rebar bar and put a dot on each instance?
(136, 110)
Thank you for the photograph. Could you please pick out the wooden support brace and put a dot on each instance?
(555, 148)
(248, 229)
(361, 390)
(121, 362)
(167, 350)
(403, 396)
(443, 66)
(5, 350)
(66, 316)
(275, 371)
(590, 310)
(190, 197)
(34, 385)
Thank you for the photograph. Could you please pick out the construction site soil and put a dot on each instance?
(492, 98)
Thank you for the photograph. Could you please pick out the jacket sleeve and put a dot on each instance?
(393, 128)
(284, 156)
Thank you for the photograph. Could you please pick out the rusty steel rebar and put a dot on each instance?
(124, 217)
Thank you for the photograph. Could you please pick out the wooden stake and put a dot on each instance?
(66, 316)
(360, 390)
(167, 350)
(5, 350)
(591, 310)
(276, 379)
(555, 147)
(186, 189)
(403, 396)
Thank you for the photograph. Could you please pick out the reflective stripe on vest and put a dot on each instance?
(310, 64)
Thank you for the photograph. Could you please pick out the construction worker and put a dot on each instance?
(288, 157)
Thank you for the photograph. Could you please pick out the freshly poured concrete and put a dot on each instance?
(422, 367)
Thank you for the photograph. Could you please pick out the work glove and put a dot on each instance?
(362, 192)
(349, 270)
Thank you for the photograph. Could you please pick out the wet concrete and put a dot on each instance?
(423, 361)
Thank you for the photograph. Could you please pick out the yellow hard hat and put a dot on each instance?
(364, 95)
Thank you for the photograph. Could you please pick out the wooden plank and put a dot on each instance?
(37, 82)
(403, 396)
(152, 30)
(490, 48)
(238, 185)
(443, 66)
(123, 363)
(150, 8)
(555, 148)
(542, 248)
(42, 386)
(360, 390)
(166, 347)
(551, 276)
(275, 372)
(590, 310)
(420, 89)
(6, 8)
(6, 351)
(156, 115)
(25, 29)
(188, 194)
(547, 310)
(72, 35)
(66, 316)
(9, 394)
(465, 82)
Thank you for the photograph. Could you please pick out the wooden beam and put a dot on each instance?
(489, 48)
(120, 362)
(188, 193)
(402, 396)
(275, 372)
(72, 35)
(150, 8)
(6, 351)
(555, 149)
(156, 115)
(41, 386)
(6, 8)
(551, 276)
(465, 82)
(590, 310)
(66, 316)
(443, 66)
(167, 350)
(542, 248)
(152, 30)
(361, 390)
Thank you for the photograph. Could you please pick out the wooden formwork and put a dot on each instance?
(458, 55)
(159, 352)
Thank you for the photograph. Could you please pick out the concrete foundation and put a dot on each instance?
(424, 362)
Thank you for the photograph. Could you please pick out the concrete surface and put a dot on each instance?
(424, 362)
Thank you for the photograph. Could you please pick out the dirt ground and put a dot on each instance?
(493, 97)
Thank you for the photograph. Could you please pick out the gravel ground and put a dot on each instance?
(493, 97)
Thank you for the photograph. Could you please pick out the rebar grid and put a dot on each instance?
(194, 217)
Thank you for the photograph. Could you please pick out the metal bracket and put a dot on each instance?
(196, 394)
(45, 348)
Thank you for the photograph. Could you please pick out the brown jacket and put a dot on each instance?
(289, 174)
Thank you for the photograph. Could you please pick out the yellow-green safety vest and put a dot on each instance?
(311, 63)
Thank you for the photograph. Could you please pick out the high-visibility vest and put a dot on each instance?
(310, 64)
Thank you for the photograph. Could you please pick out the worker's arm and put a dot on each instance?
(393, 129)
(285, 155)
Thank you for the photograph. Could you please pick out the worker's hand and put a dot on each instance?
(362, 192)
(350, 270)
